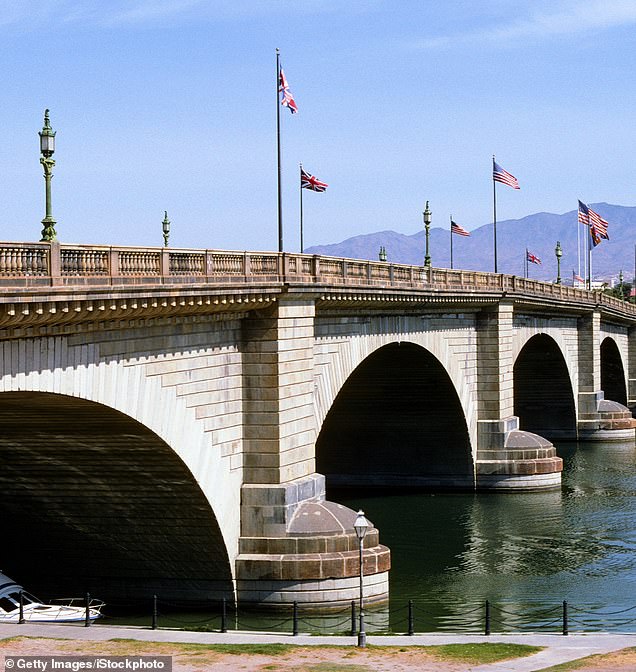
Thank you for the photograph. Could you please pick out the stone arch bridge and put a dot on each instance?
(169, 416)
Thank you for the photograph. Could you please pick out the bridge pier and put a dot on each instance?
(294, 546)
(511, 459)
(599, 419)
(507, 457)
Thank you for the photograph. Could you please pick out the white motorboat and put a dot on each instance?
(35, 611)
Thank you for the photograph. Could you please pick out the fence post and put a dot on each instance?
(223, 615)
(21, 617)
(295, 620)
(87, 616)
(353, 618)
(487, 628)
(411, 622)
(565, 617)
(154, 612)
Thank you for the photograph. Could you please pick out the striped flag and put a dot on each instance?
(503, 176)
(311, 182)
(598, 225)
(456, 228)
(577, 277)
(532, 258)
(288, 98)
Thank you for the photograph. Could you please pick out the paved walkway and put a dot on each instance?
(559, 649)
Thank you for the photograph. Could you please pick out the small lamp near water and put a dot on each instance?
(361, 526)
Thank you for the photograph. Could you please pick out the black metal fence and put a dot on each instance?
(410, 618)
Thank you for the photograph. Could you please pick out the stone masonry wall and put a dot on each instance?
(180, 378)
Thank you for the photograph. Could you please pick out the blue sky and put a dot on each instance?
(170, 105)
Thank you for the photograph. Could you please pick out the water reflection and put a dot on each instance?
(527, 552)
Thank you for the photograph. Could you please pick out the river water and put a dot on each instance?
(525, 553)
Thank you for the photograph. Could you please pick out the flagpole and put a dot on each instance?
(589, 260)
(451, 240)
(578, 242)
(494, 210)
(300, 184)
(280, 198)
(526, 265)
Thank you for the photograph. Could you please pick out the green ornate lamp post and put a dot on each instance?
(382, 253)
(166, 228)
(620, 280)
(427, 228)
(558, 253)
(47, 147)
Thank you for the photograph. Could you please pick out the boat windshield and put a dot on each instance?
(7, 605)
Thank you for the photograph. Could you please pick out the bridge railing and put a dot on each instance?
(55, 265)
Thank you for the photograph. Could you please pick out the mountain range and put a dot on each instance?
(537, 233)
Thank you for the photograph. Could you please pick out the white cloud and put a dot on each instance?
(569, 17)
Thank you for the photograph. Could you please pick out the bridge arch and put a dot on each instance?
(612, 372)
(544, 399)
(397, 420)
(151, 459)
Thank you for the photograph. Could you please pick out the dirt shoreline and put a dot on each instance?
(316, 658)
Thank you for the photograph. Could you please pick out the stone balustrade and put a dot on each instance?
(62, 265)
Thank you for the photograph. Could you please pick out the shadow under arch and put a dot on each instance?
(543, 396)
(397, 421)
(612, 372)
(91, 500)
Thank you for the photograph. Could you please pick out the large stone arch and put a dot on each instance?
(341, 345)
(396, 420)
(544, 399)
(613, 372)
(151, 391)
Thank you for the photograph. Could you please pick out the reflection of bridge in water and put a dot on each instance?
(168, 413)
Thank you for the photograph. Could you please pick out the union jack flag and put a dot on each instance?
(532, 258)
(459, 230)
(288, 98)
(311, 182)
(503, 176)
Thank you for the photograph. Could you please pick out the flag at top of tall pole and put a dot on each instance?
(311, 182)
(503, 176)
(287, 100)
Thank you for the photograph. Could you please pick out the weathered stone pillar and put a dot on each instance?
(599, 419)
(294, 545)
(507, 458)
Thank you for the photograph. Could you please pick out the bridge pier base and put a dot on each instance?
(298, 547)
(603, 420)
(511, 459)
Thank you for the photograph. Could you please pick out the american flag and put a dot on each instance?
(598, 225)
(311, 182)
(503, 176)
(456, 228)
(532, 258)
(288, 98)
(577, 277)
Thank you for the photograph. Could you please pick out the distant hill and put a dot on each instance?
(538, 233)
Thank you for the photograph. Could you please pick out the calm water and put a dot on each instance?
(526, 553)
